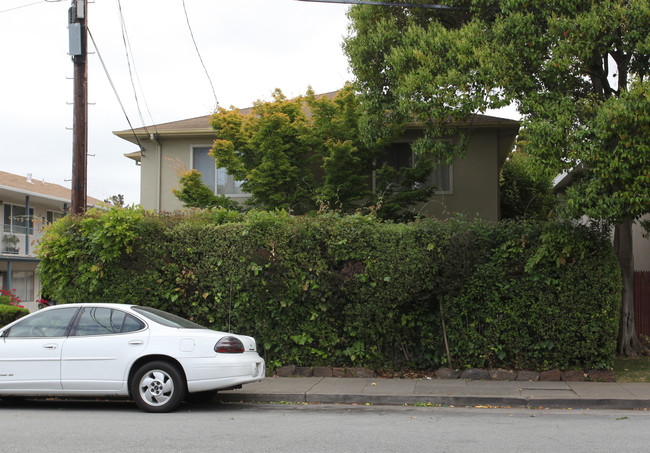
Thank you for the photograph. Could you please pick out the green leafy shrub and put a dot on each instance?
(193, 193)
(8, 297)
(548, 297)
(351, 290)
(525, 188)
(9, 313)
(10, 307)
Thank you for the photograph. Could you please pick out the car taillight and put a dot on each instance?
(229, 345)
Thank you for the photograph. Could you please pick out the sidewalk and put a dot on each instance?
(455, 392)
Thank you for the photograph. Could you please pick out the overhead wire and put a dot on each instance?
(187, 18)
(22, 6)
(129, 59)
(133, 71)
(110, 80)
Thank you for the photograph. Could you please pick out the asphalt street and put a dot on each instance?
(100, 426)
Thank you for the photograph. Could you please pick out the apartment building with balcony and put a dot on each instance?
(27, 206)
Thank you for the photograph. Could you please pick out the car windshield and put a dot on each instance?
(166, 319)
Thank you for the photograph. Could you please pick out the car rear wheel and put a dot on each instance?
(157, 387)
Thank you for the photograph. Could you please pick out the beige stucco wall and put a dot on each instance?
(159, 171)
(475, 182)
(475, 177)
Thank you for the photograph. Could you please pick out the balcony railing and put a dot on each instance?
(13, 240)
(16, 229)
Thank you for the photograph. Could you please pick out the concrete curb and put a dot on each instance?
(362, 391)
(400, 400)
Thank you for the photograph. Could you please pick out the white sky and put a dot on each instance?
(250, 47)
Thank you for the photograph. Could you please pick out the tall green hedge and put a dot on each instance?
(342, 291)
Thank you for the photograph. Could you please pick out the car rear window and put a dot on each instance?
(166, 319)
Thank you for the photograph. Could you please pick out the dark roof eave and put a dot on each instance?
(146, 135)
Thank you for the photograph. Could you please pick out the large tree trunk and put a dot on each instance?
(628, 344)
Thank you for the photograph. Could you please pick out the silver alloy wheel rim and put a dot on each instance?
(156, 387)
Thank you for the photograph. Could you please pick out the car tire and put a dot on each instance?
(158, 387)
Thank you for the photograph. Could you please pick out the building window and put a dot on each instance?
(52, 216)
(216, 179)
(441, 177)
(401, 155)
(15, 220)
(23, 283)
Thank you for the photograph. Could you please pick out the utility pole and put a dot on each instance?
(79, 51)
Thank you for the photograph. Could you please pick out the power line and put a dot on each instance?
(402, 5)
(129, 58)
(216, 102)
(24, 6)
(110, 80)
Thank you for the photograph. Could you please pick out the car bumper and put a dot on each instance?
(223, 372)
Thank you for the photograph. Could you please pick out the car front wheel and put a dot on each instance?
(157, 387)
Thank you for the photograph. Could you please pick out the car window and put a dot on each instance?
(48, 323)
(104, 321)
(132, 324)
(166, 319)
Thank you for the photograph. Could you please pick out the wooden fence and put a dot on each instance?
(642, 303)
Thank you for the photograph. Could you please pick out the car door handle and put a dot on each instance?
(50, 346)
(136, 342)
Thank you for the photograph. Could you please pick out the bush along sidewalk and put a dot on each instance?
(10, 307)
(352, 291)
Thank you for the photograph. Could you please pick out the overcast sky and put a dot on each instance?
(249, 47)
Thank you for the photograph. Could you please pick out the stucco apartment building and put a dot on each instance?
(27, 206)
(469, 185)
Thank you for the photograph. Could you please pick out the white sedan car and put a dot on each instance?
(152, 356)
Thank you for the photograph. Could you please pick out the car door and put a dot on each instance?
(30, 351)
(101, 346)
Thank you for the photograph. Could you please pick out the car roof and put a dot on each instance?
(94, 304)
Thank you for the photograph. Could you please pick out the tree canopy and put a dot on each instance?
(194, 193)
(525, 189)
(307, 154)
(576, 70)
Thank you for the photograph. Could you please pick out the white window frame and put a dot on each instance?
(11, 228)
(216, 174)
(56, 215)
